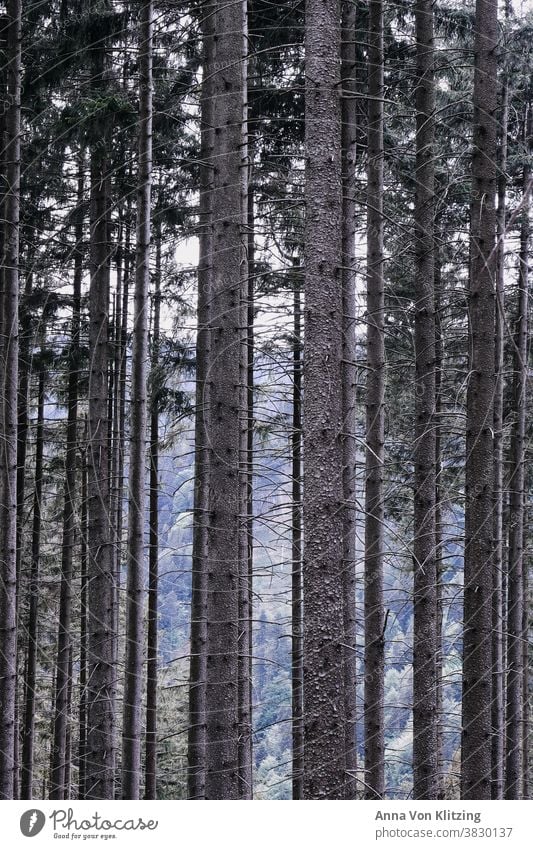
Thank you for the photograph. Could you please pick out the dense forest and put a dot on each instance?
(264, 414)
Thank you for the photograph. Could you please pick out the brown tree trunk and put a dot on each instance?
(477, 616)
(132, 729)
(324, 702)
(374, 614)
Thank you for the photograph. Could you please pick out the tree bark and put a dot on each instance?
(375, 390)
(198, 650)
(64, 642)
(349, 381)
(425, 563)
(30, 682)
(224, 412)
(297, 576)
(132, 729)
(324, 702)
(9, 379)
(82, 743)
(477, 616)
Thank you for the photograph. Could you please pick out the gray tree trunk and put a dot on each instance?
(425, 563)
(132, 728)
(224, 417)
(297, 577)
(375, 390)
(8, 425)
(324, 702)
(477, 616)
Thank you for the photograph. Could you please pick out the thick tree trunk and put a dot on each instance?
(477, 616)
(28, 729)
(198, 650)
(132, 729)
(324, 703)
(374, 615)
(64, 642)
(8, 390)
(150, 789)
(439, 531)
(349, 381)
(224, 413)
(82, 744)
(425, 564)
(497, 707)
(514, 749)
(297, 576)
(101, 680)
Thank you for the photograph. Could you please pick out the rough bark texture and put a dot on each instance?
(324, 722)
(28, 729)
(477, 616)
(101, 680)
(349, 381)
(424, 555)
(150, 788)
(374, 616)
(297, 577)
(82, 742)
(198, 650)
(132, 729)
(224, 415)
(8, 390)
(514, 748)
(497, 711)
(64, 643)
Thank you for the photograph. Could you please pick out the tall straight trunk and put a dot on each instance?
(150, 788)
(349, 381)
(64, 642)
(439, 531)
(101, 679)
(375, 390)
(514, 749)
(224, 413)
(9, 387)
(132, 728)
(425, 563)
(297, 576)
(82, 744)
(497, 707)
(30, 682)
(246, 557)
(324, 703)
(477, 615)
(198, 651)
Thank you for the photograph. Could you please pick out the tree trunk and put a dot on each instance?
(224, 414)
(101, 682)
(349, 381)
(324, 702)
(82, 745)
(26, 785)
(425, 564)
(132, 729)
(64, 643)
(150, 790)
(497, 707)
(477, 616)
(297, 577)
(514, 750)
(9, 387)
(374, 615)
(198, 650)
(439, 539)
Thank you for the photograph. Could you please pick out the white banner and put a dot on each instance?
(267, 825)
